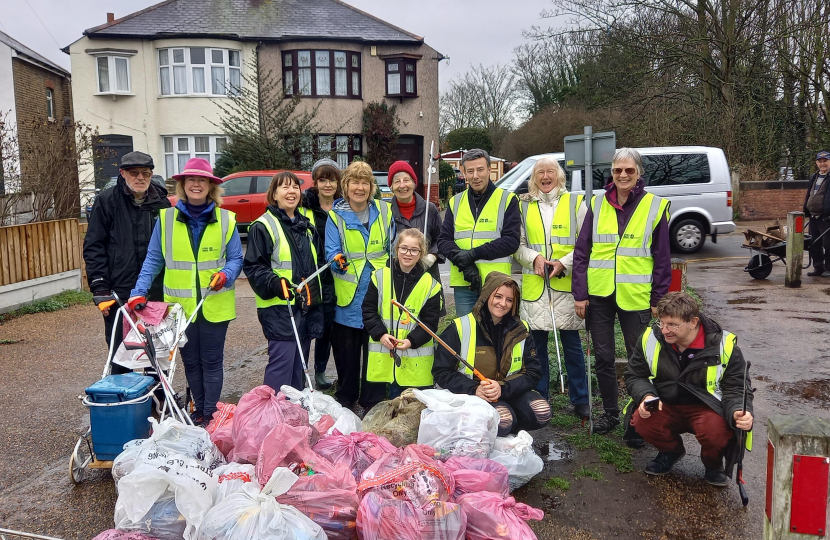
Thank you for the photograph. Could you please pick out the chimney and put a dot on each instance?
(110, 17)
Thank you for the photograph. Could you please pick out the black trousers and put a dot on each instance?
(601, 314)
(820, 251)
(349, 346)
(322, 345)
(109, 321)
(524, 417)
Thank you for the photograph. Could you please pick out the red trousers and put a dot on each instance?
(663, 428)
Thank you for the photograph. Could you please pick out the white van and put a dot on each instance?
(695, 179)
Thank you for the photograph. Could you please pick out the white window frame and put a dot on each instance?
(111, 75)
(190, 152)
(207, 66)
(50, 104)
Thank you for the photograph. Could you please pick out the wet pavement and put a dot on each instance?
(782, 332)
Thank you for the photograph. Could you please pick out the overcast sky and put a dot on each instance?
(468, 31)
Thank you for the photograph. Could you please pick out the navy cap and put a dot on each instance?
(824, 154)
(135, 160)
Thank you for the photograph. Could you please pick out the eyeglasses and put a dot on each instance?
(630, 171)
(670, 327)
(409, 251)
(134, 173)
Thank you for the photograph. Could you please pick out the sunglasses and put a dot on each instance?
(630, 171)
(134, 173)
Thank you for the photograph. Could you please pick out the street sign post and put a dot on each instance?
(588, 151)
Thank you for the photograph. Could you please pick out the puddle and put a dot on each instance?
(747, 300)
(555, 452)
(813, 319)
(815, 390)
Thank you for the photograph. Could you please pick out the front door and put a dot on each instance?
(108, 153)
(411, 149)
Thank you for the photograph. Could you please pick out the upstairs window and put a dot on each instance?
(321, 73)
(199, 71)
(113, 74)
(401, 77)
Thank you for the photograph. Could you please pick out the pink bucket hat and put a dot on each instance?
(198, 167)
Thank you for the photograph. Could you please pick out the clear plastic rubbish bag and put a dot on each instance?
(457, 424)
(319, 404)
(517, 454)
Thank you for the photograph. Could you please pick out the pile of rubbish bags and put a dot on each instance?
(298, 466)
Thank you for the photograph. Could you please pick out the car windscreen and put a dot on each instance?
(514, 176)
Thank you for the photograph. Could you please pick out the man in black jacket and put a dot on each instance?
(120, 226)
(687, 375)
(817, 207)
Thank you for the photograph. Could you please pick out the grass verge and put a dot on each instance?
(59, 301)
(557, 482)
(588, 472)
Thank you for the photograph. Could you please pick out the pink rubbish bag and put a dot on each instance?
(256, 414)
(411, 453)
(390, 519)
(472, 475)
(419, 483)
(222, 417)
(327, 498)
(489, 515)
(324, 424)
(113, 534)
(284, 445)
(358, 450)
(152, 314)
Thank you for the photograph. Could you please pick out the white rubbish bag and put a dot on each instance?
(318, 404)
(457, 424)
(517, 454)
(167, 438)
(232, 478)
(165, 499)
(164, 337)
(251, 514)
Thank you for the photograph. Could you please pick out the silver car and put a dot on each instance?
(696, 179)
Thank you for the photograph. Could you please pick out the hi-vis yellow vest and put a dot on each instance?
(281, 262)
(358, 252)
(624, 264)
(184, 272)
(560, 242)
(416, 364)
(470, 233)
(714, 374)
(466, 327)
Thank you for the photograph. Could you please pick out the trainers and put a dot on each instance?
(716, 477)
(816, 272)
(606, 423)
(322, 381)
(582, 410)
(664, 462)
(198, 419)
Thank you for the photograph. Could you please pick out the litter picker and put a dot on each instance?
(739, 475)
(429, 185)
(339, 258)
(297, 336)
(588, 371)
(440, 341)
(555, 334)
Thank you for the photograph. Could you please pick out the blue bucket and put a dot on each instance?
(119, 407)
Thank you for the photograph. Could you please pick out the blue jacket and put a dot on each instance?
(351, 315)
(154, 261)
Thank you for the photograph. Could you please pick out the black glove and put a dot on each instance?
(286, 290)
(471, 274)
(101, 295)
(465, 258)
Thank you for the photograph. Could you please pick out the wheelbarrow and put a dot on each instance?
(765, 249)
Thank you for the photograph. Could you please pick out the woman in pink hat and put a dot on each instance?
(197, 245)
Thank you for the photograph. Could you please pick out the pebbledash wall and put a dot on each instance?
(770, 200)
(144, 114)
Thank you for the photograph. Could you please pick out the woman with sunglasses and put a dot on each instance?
(318, 200)
(401, 353)
(621, 269)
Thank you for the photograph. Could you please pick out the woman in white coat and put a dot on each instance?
(551, 218)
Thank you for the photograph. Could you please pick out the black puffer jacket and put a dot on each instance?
(116, 241)
(276, 320)
(826, 211)
(671, 384)
(417, 222)
(312, 201)
(403, 284)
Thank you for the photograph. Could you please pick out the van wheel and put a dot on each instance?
(687, 236)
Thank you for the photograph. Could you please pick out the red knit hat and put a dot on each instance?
(402, 166)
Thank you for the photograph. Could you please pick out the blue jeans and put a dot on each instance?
(574, 364)
(465, 299)
(203, 358)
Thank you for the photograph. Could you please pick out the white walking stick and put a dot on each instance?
(429, 187)
(555, 335)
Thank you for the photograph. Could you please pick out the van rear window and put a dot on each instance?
(676, 169)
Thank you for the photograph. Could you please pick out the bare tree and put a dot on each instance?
(10, 192)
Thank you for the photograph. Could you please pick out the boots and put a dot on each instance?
(322, 381)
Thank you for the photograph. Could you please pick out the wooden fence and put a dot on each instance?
(39, 249)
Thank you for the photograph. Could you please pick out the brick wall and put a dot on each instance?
(770, 200)
(30, 84)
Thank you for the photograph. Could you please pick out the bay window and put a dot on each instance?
(180, 148)
(113, 74)
(321, 73)
(401, 76)
(199, 71)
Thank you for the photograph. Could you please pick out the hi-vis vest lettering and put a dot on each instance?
(467, 328)
(714, 374)
(184, 272)
(281, 262)
(470, 233)
(358, 252)
(416, 364)
(560, 242)
(624, 263)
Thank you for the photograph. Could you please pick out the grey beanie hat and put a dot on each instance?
(325, 161)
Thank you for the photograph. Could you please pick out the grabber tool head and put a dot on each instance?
(106, 304)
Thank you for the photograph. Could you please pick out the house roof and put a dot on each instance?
(31, 55)
(247, 20)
